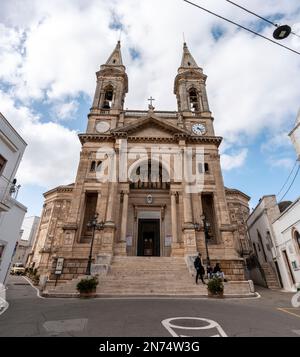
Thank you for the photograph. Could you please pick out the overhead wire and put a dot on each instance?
(291, 185)
(241, 26)
(287, 180)
(259, 16)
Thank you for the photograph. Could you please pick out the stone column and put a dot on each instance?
(187, 208)
(124, 217)
(187, 201)
(189, 234)
(174, 217)
(110, 204)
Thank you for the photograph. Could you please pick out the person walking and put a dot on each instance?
(199, 269)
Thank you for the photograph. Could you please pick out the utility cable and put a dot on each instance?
(288, 190)
(287, 179)
(260, 17)
(243, 27)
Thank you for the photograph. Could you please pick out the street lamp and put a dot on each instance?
(95, 226)
(206, 226)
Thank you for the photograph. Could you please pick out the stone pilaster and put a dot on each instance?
(124, 216)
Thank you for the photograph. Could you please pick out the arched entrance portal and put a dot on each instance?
(150, 197)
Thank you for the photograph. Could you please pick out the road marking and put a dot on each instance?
(286, 310)
(5, 304)
(297, 332)
(211, 325)
(37, 290)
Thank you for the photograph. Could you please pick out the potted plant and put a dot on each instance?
(215, 287)
(87, 287)
(36, 279)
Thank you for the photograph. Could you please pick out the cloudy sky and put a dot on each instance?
(51, 49)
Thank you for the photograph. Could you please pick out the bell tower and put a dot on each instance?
(112, 84)
(190, 88)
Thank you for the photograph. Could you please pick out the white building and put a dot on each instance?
(274, 229)
(28, 235)
(263, 264)
(12, 213)
(287, 240)
(295, 136)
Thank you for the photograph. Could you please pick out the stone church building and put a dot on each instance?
(151, 217)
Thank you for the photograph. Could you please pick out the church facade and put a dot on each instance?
(151, 180)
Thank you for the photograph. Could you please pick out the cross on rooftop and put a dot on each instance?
(151, 100)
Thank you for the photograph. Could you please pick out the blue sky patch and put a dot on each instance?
(217, 32)
(135, 54)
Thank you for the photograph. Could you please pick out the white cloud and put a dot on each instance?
(234, 161)
(52, 154)
(286, 163)
(64, 111)
(280, 141)
(50, 50)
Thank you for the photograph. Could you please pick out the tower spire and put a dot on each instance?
(188, 60)
(115, 58)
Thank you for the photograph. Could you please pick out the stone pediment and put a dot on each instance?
(150, 126)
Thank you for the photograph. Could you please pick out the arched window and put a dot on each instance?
(194, 101)
(108, 97)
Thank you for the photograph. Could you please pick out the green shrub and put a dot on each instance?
(36, 279)
(215, 286)
(87, 285)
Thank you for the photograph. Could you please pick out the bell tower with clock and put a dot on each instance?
(111, 89)
(190, 90)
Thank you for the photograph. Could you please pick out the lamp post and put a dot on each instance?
(95, 226)
(206, 226)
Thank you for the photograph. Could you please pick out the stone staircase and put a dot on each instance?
(146, 276)
(271, 277)
(149, 276)
(141, 276)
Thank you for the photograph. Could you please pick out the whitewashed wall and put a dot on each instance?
(284, 228)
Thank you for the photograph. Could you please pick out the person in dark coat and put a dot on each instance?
(218, 272)
(199, 269)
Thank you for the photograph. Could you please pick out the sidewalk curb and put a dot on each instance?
(38, 293)
(145, 297)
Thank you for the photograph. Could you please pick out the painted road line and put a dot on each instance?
(216, 329)
(37, 290)
(4, 305)
(294, 311)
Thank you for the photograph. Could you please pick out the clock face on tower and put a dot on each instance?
(199, 129)
(102, 127)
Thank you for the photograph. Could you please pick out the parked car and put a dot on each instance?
(17, 269)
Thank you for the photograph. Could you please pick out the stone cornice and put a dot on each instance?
(233, 191)
(85, 138)
(60, 189)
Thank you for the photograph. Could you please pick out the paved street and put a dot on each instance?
(29, 315)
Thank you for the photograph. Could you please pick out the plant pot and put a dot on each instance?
(219, 295)
(87, 294)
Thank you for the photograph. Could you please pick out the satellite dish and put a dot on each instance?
(282, 32)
